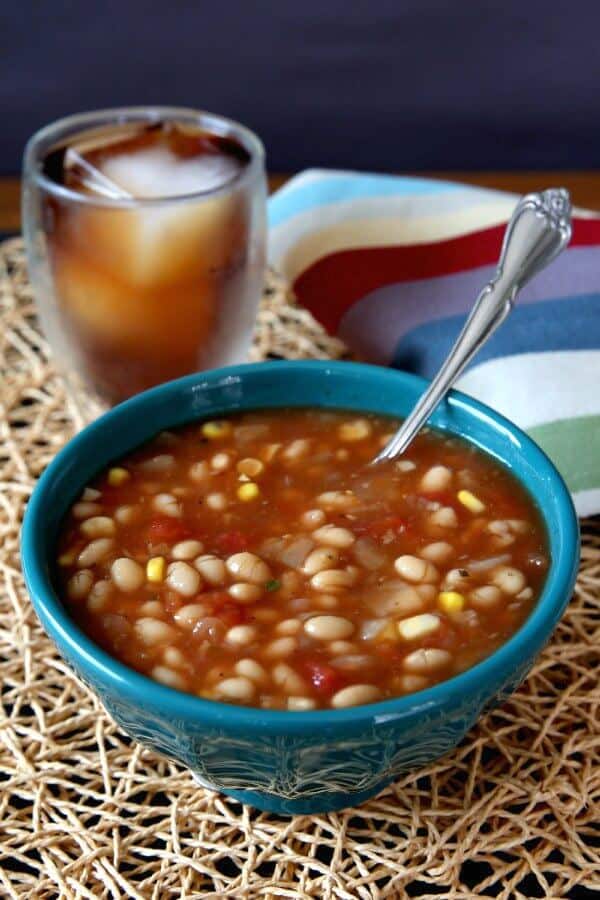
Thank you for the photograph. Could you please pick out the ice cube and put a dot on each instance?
(157, 172)
(167, 243)
(80, 172)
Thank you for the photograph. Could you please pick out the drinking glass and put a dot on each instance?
(136, 290)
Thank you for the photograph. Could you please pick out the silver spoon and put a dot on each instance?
(539, 228)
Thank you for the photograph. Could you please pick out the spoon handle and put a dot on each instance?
(539, 228)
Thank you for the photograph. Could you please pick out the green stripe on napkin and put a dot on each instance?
(573, 445)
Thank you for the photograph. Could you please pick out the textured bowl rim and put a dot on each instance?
(149, 694)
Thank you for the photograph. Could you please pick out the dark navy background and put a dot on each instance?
(373, 84)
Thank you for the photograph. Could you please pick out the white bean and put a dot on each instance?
(152, 608)
(167, 676)
(188, 615)
(80, 584)
(248, 567)
(161, 463)
(355, 695)
(416, 570)
(183, 579)
(300, 704)
(211, 568)
(90, 494)
(426, 660)
(333, 580)
(406, 465)
(174, 657)
(187, 549)
(457, 578)
(167, 504)
(245, 593)
(312, 518)
(328, 628)
(280, 647)
(355, 430)
(511, 581)
(220, 462)
(83, 510)
(250, 467)
(125, 514)
(408, 684)
(289, 626)
(216, 501)
(288, 679)
(334, 536)
(418, 627)
(95, 552)
(99, 595)
(252, 670)
(438, 552)
(445, 517)
(240, 635)
(238, 688)
(98, 526)
(151, 631)
(127, 574)
(296, 450)
(199, 471)
(342, 648)
(438, 478)
(486, 596)
(337, 500)
(322, 558)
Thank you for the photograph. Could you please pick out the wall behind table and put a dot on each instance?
(374, 84)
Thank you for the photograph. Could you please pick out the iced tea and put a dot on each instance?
(153, 236)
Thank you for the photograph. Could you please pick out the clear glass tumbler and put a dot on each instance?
(157, 272)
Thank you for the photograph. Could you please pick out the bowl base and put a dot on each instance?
(328, 801)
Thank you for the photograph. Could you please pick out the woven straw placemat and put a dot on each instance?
(87, 813)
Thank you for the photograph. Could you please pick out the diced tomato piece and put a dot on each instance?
(232, 614)
(381, 527)
(166, 528)
(231, 542)
(324, 678)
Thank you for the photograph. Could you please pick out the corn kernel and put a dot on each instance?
(67, 559)
(155, 569)
(217, 430)
(472, 502)
(248, 491)
(451, 601)
(118, 476)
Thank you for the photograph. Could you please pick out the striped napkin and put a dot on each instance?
(392, 265)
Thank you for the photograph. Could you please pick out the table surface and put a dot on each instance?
(584, 188)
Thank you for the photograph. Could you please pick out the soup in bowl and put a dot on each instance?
(217, 559)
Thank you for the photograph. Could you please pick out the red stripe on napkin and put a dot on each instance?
(330, 286)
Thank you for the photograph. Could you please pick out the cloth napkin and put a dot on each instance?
(392, 266)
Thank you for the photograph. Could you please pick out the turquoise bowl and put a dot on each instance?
(282, 761)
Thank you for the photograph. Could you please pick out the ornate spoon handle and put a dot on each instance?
(539, 228)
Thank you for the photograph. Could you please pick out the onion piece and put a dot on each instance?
(370, 628)
(481, 565)
(367, 553)
(294, 553)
